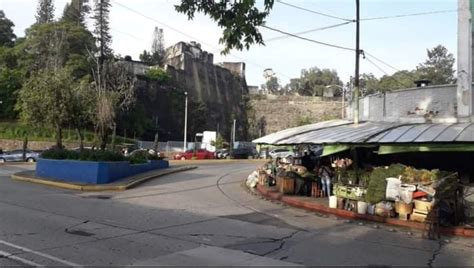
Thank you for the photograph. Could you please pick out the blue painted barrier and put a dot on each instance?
(93, 172)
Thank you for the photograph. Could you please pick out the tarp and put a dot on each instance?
(409, 148)
(334, 148)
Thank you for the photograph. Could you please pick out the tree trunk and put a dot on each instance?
(25, 146)
(81, 139)
(113, 137)
(103, 140)
(59, 137)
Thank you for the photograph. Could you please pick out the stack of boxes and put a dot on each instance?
(422, 208)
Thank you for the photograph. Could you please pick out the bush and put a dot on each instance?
(139, 157)
(85, 155)
(377, 182)
(157, 74)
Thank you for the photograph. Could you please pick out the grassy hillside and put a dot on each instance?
(17, 131)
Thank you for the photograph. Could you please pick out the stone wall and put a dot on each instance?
(281, 112)
(192, 70)
(422, 104)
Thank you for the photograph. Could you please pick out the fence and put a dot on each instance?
(171, 147)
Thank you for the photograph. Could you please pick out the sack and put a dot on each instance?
(406, 193)
(393, 189)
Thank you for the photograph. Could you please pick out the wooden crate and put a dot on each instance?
(418, 217)
(286, 185)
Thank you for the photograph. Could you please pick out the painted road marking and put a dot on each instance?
(16, 258)
(47, 256)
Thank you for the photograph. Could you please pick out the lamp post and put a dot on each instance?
(343, 98)
(185, 119)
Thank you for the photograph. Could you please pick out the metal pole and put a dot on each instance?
(356, 83)
(185, 119)
(343, 99)
(233, 138)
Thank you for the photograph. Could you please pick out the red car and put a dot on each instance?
(200, 154)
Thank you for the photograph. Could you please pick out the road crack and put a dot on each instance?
(282, 243)
(435, 254)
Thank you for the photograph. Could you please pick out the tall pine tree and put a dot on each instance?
(101, 31)
(45, 12)
(158, 47)
(76, 11)
(7, 36)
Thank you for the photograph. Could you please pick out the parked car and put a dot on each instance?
(243, 153)
(280, 152)
(200, 154)
(17, 156)
(221, 153)
(138, 151)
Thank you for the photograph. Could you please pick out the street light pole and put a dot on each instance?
(185, 119)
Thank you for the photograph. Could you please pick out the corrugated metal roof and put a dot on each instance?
(340, 131)
(274, 138)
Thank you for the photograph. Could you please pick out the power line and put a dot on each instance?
(308, 31)
(307, 39)
(314, 12)
(383, 71)
(410, 15)
(192, 37)
(381, 61)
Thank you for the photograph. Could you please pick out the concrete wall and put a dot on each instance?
(425, 104)
(281, 112)
(237, 68)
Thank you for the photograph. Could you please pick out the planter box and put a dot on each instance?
(92, 172)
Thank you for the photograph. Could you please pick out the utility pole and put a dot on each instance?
(185, 119)
(233, 137)
(356, 83)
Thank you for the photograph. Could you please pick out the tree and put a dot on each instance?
(399, 80)
(7, 37)
(158, 47)
(58, 43)
(146, 57)
(438, 67)
(45, 100)
(113, 90)
(101, 31)
(369, 84)
(239, 19)
(10, 82)
(272, 85)
(45, 11)
(315, 80)
(76, 11)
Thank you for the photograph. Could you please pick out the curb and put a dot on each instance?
(21, 176)
(296, 202)
(217, 161)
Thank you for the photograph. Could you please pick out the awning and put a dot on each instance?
(411, 148)
(334, 149)
(371, 132)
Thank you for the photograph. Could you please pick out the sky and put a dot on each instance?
(401, 43)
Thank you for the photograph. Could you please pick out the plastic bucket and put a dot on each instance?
(333, 201)
(361, 207)
(371, 209)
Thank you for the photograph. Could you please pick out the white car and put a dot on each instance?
(282, 153)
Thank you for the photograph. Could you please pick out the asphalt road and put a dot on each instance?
(199, 217)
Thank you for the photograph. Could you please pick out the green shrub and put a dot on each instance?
(157, 74)
(85, 155)
(139, 157)
(378, 184)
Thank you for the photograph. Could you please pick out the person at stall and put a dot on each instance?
(325, 176)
